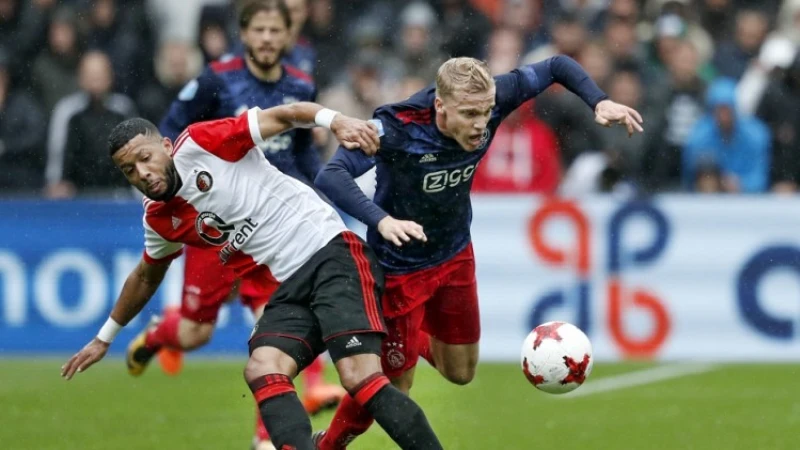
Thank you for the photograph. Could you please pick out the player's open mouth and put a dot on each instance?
(155, 188)
(476, 139)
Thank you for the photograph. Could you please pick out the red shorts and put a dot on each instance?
(440, 300)
(208, 284)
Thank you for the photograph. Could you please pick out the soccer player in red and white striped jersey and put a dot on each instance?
(215, 189)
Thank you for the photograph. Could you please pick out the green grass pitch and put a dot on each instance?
(208, 406)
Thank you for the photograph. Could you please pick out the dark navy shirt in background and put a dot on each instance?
(226, 88)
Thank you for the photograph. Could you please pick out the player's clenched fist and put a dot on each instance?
(93, 351)
(356, 133)
(399, 231)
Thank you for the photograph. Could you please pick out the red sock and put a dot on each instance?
(312, 375)
(166, 333)
(425, 347)
(350, 421)
(261, 431)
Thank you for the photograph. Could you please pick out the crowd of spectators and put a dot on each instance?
(717, 82)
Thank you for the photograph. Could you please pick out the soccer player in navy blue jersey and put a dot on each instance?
(419, 220)
(226, 88)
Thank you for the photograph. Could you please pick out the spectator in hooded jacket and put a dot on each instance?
(738, 145)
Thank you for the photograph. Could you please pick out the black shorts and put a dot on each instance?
(332, 302)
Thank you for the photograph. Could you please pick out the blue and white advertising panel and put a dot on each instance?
(678, 278)
(675, 278)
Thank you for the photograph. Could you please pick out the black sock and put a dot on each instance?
(398, 415)
(282, 413)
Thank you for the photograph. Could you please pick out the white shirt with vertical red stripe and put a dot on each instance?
(234, 200)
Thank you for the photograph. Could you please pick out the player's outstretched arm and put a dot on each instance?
(520, 85)
(140, 286)
(337, 181)
(352, 133)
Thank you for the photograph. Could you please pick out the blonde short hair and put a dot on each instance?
(463, 74)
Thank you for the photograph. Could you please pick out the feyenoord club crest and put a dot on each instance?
(204, 181)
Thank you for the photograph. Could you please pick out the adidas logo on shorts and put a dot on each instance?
(353, 342)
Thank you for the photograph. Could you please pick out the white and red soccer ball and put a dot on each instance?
(556, 357)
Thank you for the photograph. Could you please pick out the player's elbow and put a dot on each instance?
(325, 179)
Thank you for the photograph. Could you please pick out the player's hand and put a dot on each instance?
(400, 231)
(93, 351)
(356, 133)
(608, 113)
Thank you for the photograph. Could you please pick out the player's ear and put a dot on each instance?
(439, 105)
(167, 143)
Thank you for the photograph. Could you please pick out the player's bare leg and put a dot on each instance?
(269, 373)
(457, 363)
(191, 336)
(173, 331)
(404, 381)
(398, 415)
(352, 419)
(261, 439)
(170, 359)
(318, 395)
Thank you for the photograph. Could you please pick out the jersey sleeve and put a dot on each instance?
(337, 178)
(520, 85)
(229, 139)
(158, 250)
(203, 98)
(390, 130)
(337, 181)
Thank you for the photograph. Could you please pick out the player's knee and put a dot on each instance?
(356, 357)
(355, 369)
(267, 360)
(460, 374)
(456, 362)
(194, 334)
(403, 382)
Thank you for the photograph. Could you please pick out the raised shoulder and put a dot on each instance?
(230, 138)
(397, 119)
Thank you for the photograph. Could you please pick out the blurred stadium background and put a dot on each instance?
(677, 251)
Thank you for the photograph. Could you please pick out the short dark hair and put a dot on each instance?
(127, 130)
(251, 8)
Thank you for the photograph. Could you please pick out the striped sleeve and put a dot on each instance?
(158, 250)
(230, 139)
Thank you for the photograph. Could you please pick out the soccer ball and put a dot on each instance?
(556, 357)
